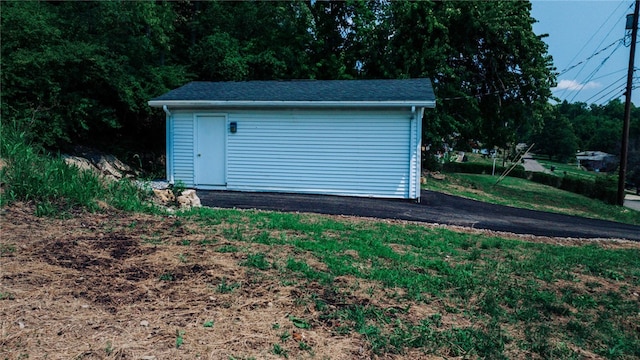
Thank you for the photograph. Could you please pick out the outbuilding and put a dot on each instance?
(337, 137)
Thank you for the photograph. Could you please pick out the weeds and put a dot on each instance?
(109, 348)
(6, 296)
(299, 323)
(227, 249)
(224, 287)
(179, 338)
(279, 350)
(6, 249)
(285, 336)
(206, 242)
(257, 261)
(57, 188)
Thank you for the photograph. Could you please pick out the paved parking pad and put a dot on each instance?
(434, 208)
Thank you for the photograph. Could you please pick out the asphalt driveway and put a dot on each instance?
(434, 208)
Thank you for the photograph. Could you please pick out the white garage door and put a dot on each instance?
(342, 153)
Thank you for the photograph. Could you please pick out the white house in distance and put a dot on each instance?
(337, 137)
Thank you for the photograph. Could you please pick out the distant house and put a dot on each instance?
(338, 137)
(597, 161)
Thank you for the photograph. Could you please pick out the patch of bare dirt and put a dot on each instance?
(114, 285)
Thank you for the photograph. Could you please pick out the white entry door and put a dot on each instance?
(210, 150)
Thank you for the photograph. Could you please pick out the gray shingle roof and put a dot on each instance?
(305, 91)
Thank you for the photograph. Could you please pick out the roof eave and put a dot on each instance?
(315, 104)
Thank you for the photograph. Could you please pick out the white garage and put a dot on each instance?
(337, 137)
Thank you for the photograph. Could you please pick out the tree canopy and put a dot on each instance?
(83, 71)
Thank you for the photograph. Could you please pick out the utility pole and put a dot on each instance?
(627, 108)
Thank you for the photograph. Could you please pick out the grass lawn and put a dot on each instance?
(529, 195)
(570, 169)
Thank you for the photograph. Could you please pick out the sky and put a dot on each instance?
(585, 43)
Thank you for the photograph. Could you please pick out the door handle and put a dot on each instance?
(199, 155)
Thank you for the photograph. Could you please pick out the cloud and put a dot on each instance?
(574, 85)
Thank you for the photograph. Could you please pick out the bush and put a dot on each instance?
(55, 187)
(545, 179)
(605, 188)
(577, 185)
(430, 162)
(480, 168)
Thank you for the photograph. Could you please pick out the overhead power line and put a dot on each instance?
(614, 26)
(595, 71)
(615, 83)
(589, 58)
(594, 34)
(618, 95)
(611, 73)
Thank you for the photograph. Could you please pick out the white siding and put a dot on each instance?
(183, 145)
(363, 153)
(415, 160)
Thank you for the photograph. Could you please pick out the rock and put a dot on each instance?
(111, 166)
(165, 196)
(106, 164)
(3, 164)
(189, 199)
(79, 162)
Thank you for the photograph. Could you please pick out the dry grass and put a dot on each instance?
(90, 288)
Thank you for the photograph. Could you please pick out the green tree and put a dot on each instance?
(491, 72)
(78, 71)
(556, 138)
(246, 40)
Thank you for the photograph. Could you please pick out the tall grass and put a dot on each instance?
(54, 187)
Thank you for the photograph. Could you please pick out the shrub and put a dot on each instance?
(605, 188)
(430, 162)
(480, 168)
(577, 185)
(545, 179)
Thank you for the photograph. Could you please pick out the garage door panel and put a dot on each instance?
(334, 153)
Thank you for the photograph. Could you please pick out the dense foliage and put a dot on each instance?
(568, 128)
(82, 72)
